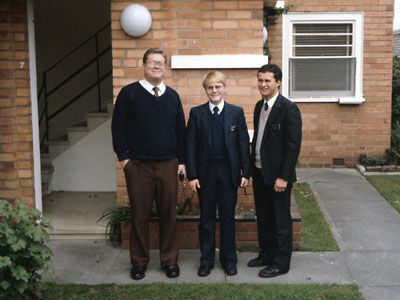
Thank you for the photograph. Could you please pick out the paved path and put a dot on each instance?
(365, 226)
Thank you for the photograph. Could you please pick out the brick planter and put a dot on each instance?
(246, 231)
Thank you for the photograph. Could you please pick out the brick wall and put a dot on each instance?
(345, 131)
(16, 155)
(191, 27)
(188, 235)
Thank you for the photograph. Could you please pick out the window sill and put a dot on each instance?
(342, 100)
(239, 61)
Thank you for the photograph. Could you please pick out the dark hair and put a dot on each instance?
(154, 51)
(272, 68)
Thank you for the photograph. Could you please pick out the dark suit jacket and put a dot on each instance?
(198, 142)
(281, 141)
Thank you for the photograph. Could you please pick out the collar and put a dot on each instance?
(149, 87)
(220, 106)
(271, 101)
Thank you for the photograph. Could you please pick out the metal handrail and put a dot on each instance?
(79, 46)
(44, 89)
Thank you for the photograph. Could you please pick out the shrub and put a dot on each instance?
(367, 160)
(393, 154)
(396, 91)
(23, 253)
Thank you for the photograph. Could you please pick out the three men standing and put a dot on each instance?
(275, 149)
(217, 162)
(148, 128)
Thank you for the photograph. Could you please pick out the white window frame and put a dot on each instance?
(357, 19)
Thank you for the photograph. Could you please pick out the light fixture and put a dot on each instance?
(136, 20)
(265, 34)
(280, 4)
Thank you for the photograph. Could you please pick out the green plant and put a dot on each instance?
(117, 216)
(396, 91)
(393, 154)
(23, 253)
(367, 160)
(270, 16)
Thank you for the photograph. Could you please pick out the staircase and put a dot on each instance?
(52, 106)
(74, 133)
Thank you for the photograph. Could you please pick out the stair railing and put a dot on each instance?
(44, 91)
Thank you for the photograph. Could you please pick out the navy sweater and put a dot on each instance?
(146, 127)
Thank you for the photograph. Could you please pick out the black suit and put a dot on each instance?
(219, 179)
(279, 151)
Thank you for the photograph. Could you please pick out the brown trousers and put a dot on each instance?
(147, 181)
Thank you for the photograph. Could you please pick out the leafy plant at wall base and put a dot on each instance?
(117, 216)
(23, 253)
(367, 160)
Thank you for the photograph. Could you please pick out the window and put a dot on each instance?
(322, 57)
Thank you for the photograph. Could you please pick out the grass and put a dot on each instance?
(316, 235)
(388, 186)
(202, 291)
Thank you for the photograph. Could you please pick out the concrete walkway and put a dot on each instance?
(365, 226)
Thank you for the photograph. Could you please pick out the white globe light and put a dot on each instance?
(265, 34)
(136, 20)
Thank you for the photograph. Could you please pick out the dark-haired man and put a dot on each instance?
(275, 149)
(148, 128)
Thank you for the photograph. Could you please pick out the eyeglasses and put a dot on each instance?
(155, 63)
(216, 87)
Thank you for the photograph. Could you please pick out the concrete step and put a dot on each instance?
(93, 232)
(95, 119)
(110, 106)
(59, 141)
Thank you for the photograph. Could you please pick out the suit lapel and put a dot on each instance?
(272, 115)
(206, 121)
(257, 112)
(227, 121)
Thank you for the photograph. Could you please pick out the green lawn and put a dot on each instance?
(163, 291)
(388, 186)
(316, 235)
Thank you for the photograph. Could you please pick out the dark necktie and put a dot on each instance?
(266, 106)
(215, 114)
(156, 91)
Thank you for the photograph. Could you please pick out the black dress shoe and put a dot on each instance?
(272, 271)
(230, 270)
(172, 271)
(137, 272)
(204, 270)
(257, 262)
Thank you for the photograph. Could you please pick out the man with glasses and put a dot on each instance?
(217, 161)
(148, 128)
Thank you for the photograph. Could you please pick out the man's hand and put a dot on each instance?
(182, 169)
(124, 162)
(244, 182)
(194, 185)
(280, 185)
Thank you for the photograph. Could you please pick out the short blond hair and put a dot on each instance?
(214, 76)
